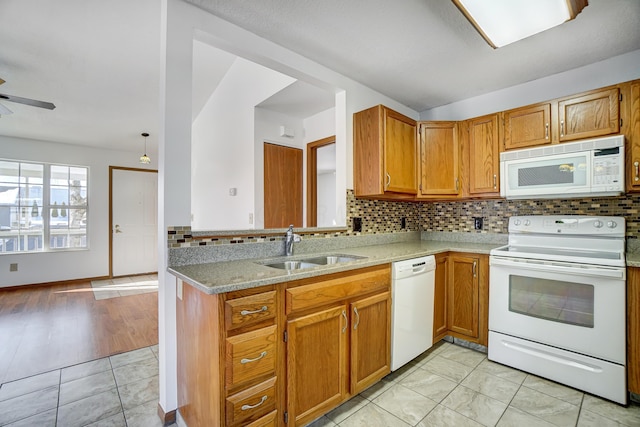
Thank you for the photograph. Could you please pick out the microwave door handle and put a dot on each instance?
(557, 268)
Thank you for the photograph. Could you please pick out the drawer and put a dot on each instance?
(338, 287)
(268, 420)
(249, 310)
(250, 355)
(251, 403)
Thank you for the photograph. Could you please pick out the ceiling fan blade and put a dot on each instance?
(27, 101)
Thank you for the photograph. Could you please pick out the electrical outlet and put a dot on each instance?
(403, 223)
(477, 223)
(357, 224)
(13, 266)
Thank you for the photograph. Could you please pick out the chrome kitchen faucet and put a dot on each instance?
(289, 239)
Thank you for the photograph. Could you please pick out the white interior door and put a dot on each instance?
(134, 207)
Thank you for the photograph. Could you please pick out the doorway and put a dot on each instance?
(133, 221)
(321, 182)
(282, 186)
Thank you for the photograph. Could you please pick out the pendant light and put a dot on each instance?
(144, 159)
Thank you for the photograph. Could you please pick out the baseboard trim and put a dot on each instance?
(61, 282)
(166, 417)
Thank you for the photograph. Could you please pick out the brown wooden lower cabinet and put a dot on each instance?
(633, 329)
(292, 351)
(462, 297)
(339, 343)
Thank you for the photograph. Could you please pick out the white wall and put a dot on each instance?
(181, 23)
(267, 129)
(44, 267)
(320, 126)
(222, 147)
(614, 70)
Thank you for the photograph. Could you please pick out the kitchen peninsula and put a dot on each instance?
(244, 328)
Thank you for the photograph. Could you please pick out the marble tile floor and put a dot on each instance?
(451, 385)
(116, 391)
(448, 385)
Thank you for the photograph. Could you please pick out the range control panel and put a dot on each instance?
(568, 224)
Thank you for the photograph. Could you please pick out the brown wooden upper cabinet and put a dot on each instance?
(439, 159)
(587, 115)
(527, 126)
(632, 133)
(595, 113)
(484, 156)
(384, 152)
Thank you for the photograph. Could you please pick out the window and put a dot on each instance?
(42, 207)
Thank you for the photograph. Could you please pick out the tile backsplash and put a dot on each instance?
(458, 216)
(383, 217)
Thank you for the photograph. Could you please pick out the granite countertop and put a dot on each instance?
(633, 259)
(220, 277)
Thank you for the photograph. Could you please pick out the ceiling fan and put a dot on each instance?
(32, 102)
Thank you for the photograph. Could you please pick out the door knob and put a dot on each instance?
(118, 229)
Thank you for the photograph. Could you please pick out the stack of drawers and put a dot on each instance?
(251, 355)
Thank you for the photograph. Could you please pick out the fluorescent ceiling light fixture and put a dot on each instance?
(501, 22)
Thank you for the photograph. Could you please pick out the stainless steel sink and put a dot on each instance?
(292, 265)
(332, 259)
(312, 262)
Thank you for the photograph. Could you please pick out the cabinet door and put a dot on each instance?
(317, 363)
(527, 126)
(462, 301)
(633, 329)
(439, 158)
(633, 138)
(484, 155)
(440, 299)
(590, 115)
(399, 153)
(370, 340)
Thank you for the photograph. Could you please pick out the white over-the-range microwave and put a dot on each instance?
(593, 167)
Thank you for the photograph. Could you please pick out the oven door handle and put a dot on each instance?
(554, 267)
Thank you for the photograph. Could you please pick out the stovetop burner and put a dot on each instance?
(568, 238)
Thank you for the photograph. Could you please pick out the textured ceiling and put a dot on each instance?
(424, 53)
(98, 61)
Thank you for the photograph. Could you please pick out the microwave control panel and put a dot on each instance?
(607, 173)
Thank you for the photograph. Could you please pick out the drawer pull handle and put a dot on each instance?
(263, 354)
(355, 311)
(260, 310)
(388, 183)
(546, 131)
(247, 407)
(495, 181)
(636, 167)
(561, 127)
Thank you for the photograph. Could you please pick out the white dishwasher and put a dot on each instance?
(412, 309)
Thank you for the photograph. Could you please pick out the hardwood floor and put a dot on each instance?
(49, 327)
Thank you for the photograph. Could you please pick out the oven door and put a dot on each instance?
(576, 307)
